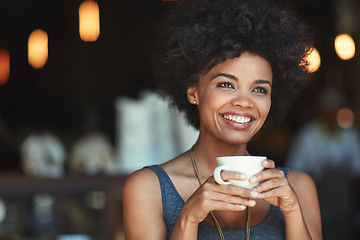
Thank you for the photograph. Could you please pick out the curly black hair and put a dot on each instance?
(199, 34)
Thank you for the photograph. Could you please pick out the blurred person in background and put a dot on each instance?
(331, 155)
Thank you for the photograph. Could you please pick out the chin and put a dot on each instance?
(236, 140)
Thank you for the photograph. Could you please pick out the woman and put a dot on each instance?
(225, 63)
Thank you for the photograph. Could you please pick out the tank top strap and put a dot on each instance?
(285, 170)
(171, 199)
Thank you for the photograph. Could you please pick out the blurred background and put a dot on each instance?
(76, 121)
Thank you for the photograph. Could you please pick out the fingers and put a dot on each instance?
(225, 197)
(229, 175)
(230, 202)
(231, 189)
(268, 163)
(267, 174)
(240, 193)
(273, 183)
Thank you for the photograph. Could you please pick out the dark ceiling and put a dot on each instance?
(77, 73)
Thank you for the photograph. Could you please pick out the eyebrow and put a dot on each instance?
(232, 77)
(263, 82)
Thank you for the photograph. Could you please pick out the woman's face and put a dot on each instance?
(234, 98)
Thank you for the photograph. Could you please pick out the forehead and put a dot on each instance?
(247, 65)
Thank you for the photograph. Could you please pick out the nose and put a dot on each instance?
(243, 100)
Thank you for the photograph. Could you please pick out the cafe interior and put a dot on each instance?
(79, 112)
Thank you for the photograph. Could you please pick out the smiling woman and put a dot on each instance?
(225, 63)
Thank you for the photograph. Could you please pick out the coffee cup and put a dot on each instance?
(250, 165)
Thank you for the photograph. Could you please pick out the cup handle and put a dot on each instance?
(217, 174)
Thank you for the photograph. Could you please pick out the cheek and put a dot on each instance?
(212, 98)
(265, 107)
(210, 103)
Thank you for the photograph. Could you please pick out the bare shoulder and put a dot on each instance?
(146, 181)
(139, 184)
(301, 181)
(141, 179)
(142, 206)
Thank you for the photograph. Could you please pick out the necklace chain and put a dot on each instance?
(211, 213)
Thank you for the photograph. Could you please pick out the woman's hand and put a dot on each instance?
(211, 196)
(275, 188)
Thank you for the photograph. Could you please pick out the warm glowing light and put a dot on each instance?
(345, 117)
(38, 48)
(314, 60)
(345, 46)
(89, 21)
(4, 66)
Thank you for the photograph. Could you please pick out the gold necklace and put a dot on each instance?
(211, 213)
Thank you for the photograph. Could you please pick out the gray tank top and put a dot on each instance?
(272, 228)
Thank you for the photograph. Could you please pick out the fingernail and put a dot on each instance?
(254, 194)
(252, 202)
(243, 176)
(266, 162)
(242, 207)
(253, 179)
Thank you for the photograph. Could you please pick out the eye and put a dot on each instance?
(260, 90)
(226, 85)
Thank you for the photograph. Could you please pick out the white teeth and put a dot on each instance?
(237, 119)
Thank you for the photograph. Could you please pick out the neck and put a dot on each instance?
(206, 153)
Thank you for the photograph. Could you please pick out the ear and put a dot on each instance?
(192, 95)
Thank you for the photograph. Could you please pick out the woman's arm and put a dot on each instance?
(309, 209)
(142, 207)
(296, 197)
(185, 228)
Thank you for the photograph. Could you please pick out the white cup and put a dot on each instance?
(250, 165)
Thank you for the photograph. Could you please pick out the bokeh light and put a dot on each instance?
(89, 21)
(4, 66)
(345, 46)
(38, 48)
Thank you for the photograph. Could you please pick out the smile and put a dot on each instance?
(237, 119)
